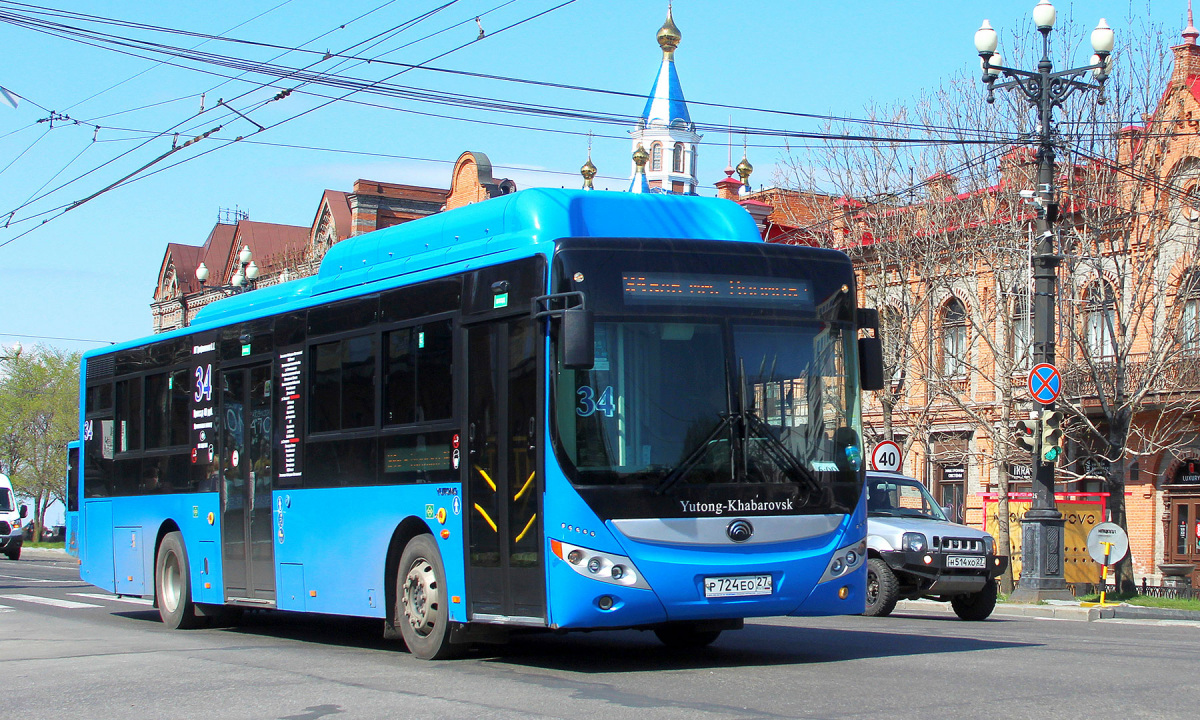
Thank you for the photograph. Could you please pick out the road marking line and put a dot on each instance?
(5, 608)
(115, 598)
(54, 602)
(38, 580)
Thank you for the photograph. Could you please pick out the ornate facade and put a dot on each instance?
(286, 252)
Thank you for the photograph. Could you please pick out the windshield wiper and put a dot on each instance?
(694, 456)
(781, 454)
(775, 449)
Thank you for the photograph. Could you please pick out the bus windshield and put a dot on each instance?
(714, 409)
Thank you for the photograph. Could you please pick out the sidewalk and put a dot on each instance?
(32, 553)
(1060, 610)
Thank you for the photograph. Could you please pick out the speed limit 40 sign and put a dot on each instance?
(886, 457)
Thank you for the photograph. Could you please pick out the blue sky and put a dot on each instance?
(90, 273)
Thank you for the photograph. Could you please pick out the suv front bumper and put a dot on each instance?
(9, 543)
(934, 574)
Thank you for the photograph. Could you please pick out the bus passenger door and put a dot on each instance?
(248, 550)
(505, 576)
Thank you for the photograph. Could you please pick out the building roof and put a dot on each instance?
(339, 208)
(666, 103)
(274, 247)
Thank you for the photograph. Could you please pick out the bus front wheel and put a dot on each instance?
(422, 605)
(173, 584)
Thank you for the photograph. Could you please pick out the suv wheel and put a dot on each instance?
(883, 590)
(976, 606)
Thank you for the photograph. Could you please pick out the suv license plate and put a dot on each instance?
(965, 561)
(737, 586)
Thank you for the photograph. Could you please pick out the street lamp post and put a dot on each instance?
(1042, 572)
(241, 281)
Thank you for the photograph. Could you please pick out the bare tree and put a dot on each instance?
(932, 211)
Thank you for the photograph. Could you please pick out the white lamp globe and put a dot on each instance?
(1102, 37)
(985, 38)
(1044, 15)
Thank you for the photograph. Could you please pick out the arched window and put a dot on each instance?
(656, 157)
(892, 331)
(1101, 321)
(954, 338)
(1189, 312)
(1021, 342)
(677, 158)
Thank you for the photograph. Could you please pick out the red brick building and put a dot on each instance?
(285, 252)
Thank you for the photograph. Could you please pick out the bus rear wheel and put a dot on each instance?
(422, 606)
(173, 584)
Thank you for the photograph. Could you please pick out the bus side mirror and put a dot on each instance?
(848, 454)
(870, 363)
(577, 339)
(24, 511)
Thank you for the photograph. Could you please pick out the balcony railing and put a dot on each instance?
(1180, 374)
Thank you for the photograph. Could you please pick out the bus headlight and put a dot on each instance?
(913, 542)
(845, 561)
(602, 566)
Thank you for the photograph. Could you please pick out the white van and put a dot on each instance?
(11, 520)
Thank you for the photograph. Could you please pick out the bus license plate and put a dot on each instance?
(737, 586)
(964, 561)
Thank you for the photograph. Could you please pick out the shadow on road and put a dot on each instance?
(758, 644)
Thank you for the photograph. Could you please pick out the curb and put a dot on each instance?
(45, 553)
(1060, 612)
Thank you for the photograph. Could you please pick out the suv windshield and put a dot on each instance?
(900, 497)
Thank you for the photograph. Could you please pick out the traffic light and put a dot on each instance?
(1052, 435)
(1027, 434)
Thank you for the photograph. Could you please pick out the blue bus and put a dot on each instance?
(71, 520)
(551, 410)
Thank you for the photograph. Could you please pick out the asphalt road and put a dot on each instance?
(68, 650)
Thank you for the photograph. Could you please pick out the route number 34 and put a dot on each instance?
(589, 403)
(203, 383)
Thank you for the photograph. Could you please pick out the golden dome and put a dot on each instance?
(640, 158)
(588, 171)
(744, 168)
(669, 35)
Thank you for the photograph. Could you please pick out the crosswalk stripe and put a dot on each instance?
(114, 598)
(53, 602)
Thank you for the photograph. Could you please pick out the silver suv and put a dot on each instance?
(914, 551)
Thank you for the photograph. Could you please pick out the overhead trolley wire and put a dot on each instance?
(139, 175)
(173, 128)
(383, 88)
(266, 69)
